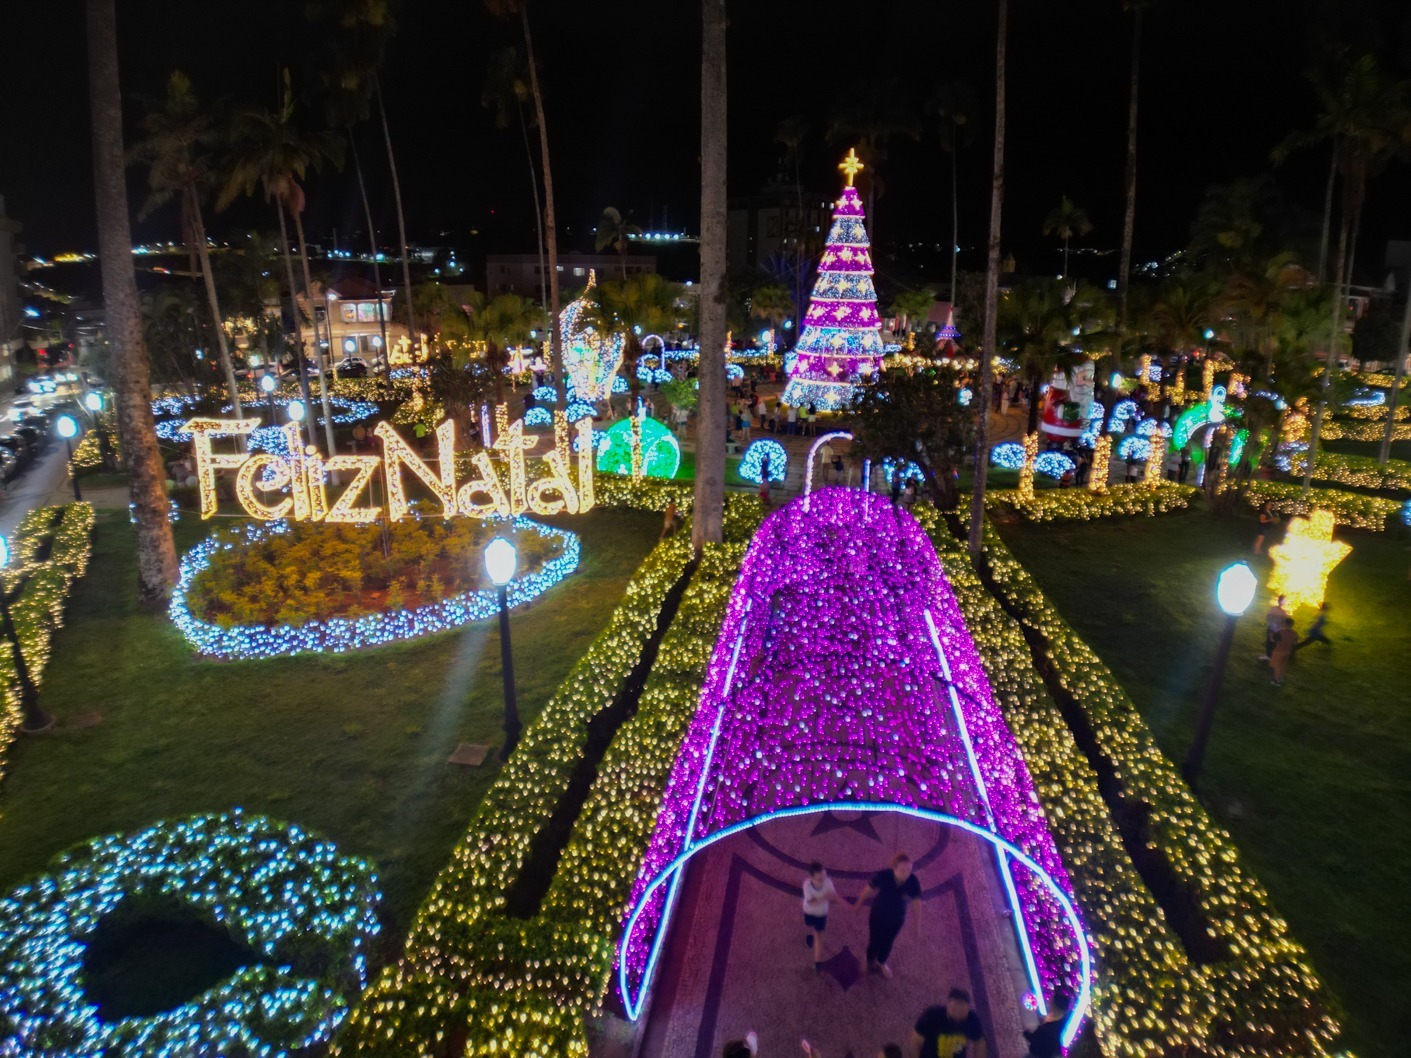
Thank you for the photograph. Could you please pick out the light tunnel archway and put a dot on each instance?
(671, 874)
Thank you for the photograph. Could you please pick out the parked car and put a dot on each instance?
(36, 440)
(19, 449)
(9, 466)
(351, 367)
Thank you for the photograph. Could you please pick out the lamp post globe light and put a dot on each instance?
(1234, 591)
(268, 385)
(93, 402)
(500, 562)
(68, 430)
(33, 716)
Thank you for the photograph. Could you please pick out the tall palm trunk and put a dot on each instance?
(318, 348)
(551, 236)
(954, 217)
(1326, 386)
(1327, 214)
(1398, 374)
(132, 379)
(538, 206)
(981, 465)
(401, 217)
(1130, 216)
(217, 321)
(708, 514)
(300, 359)
(372, 245)
(1065, 257)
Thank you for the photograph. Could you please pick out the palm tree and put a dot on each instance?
(509, 9)
(1066, 221)
(132, 385)
(178, 133)
(1036, 331)
(877, 115)
(981, 463)
(1129, 216)
(955, 104)
(1185, 308)
(504, 323)
(790, 133)
(269, 151)
(505, 92)
(644, 304)
(709, 508)
(771, 303)
(615, 231)
(912, 307)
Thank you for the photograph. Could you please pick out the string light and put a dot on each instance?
(590, 359)
(1009, 455)
(1155, 456)
(1102, 463)
(752, 463)
(277, 889)
(1026, 469)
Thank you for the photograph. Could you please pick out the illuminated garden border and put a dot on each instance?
(338, 635)
(276, 888)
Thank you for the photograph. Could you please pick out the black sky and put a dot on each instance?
(1222, 84)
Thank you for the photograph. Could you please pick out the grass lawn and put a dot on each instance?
(1312, 778)
(353, 747)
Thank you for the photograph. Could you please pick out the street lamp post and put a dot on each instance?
(500, 562)
(68, 429)
(94, 403)
(268, 385)
(1234, 591)
(34, 718)
(296, 413)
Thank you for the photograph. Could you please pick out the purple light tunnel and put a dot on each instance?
(844, 675)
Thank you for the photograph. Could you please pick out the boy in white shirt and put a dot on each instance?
(818, 891)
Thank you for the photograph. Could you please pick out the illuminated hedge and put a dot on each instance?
(1360, 471)
(286, 895)
(1349, 508)
(44, 584)
(524, 987)
(1151, 999)
(1081, 504)
(1361, 430)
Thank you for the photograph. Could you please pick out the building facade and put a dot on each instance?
(521, 273)
(11, 312)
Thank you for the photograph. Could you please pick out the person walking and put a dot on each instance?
(1273, 625)
(764, 482)
(1046, 1041)
(825, 459)
(813, 420)
(1282, 653)
(1267, 520)
(793, 421)
(1316, 633)
(818, 893)
(890, 890)
(950, 1031)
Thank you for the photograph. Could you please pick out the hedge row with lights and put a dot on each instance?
(1081, 504)
(51, 549)
(1333, 430)
(525, 987)
(306, 912)
(1383, 379)
(88, 453)
(1352, 509)
(1373, 411)
(1251, 991)
(1360, 471)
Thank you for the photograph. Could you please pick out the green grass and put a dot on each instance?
(353, 747)
(1313, 779)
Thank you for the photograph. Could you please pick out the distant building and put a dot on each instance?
(520, 273)
(350, 323)
(11, 312)
(779, 220)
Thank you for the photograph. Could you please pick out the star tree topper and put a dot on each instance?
(1305, 558)
(851, 165)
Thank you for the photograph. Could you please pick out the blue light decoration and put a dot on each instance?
(1053, 465)
(1147, 427)
(538, 417)
(173, 512)
(1122, 411)
(580, 409)
(661, 455)
(1290, 457)
(619, 384)
(907, 469)
(1088, 438)
(1009, 455)
(1153, 373)
(546, 394)
(408, 372)
(276, 888)
(1134, 449)
(338, 635)
(1367, 398)
(600, 441)
(347, 411)
(1406, 514)
(752, 463)
(734, 372)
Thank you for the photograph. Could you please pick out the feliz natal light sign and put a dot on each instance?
(302, 475)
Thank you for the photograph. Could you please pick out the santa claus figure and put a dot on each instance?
(1068, 401)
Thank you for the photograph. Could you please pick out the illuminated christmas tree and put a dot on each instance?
(840, 346)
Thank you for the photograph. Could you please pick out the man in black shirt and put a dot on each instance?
(951, 1031)
(893, 889)
(1046, 1041)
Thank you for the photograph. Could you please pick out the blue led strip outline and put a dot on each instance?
(338, 635)
(1021, 928)
(634, 1009)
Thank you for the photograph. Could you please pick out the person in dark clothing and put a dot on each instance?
(890, 891)
(1315, 630)
(1185, 468)
(1046, 1041)
(950, 1031)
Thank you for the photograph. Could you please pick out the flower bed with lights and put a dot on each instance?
(51, 550)
(339, 634)
(1081, 504)
(1209, 968)
(1353, 509)
(307, 911)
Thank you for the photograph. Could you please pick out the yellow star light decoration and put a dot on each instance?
(1304, 560)
(851, 165)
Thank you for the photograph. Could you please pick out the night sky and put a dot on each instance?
(1222, 84)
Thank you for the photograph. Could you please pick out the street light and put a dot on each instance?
(33, 717)
(268, 385)
(68, 429)
(93, 402)
(1234, 591)
(500, 562)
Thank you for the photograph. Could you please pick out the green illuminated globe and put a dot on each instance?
(661, 455)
